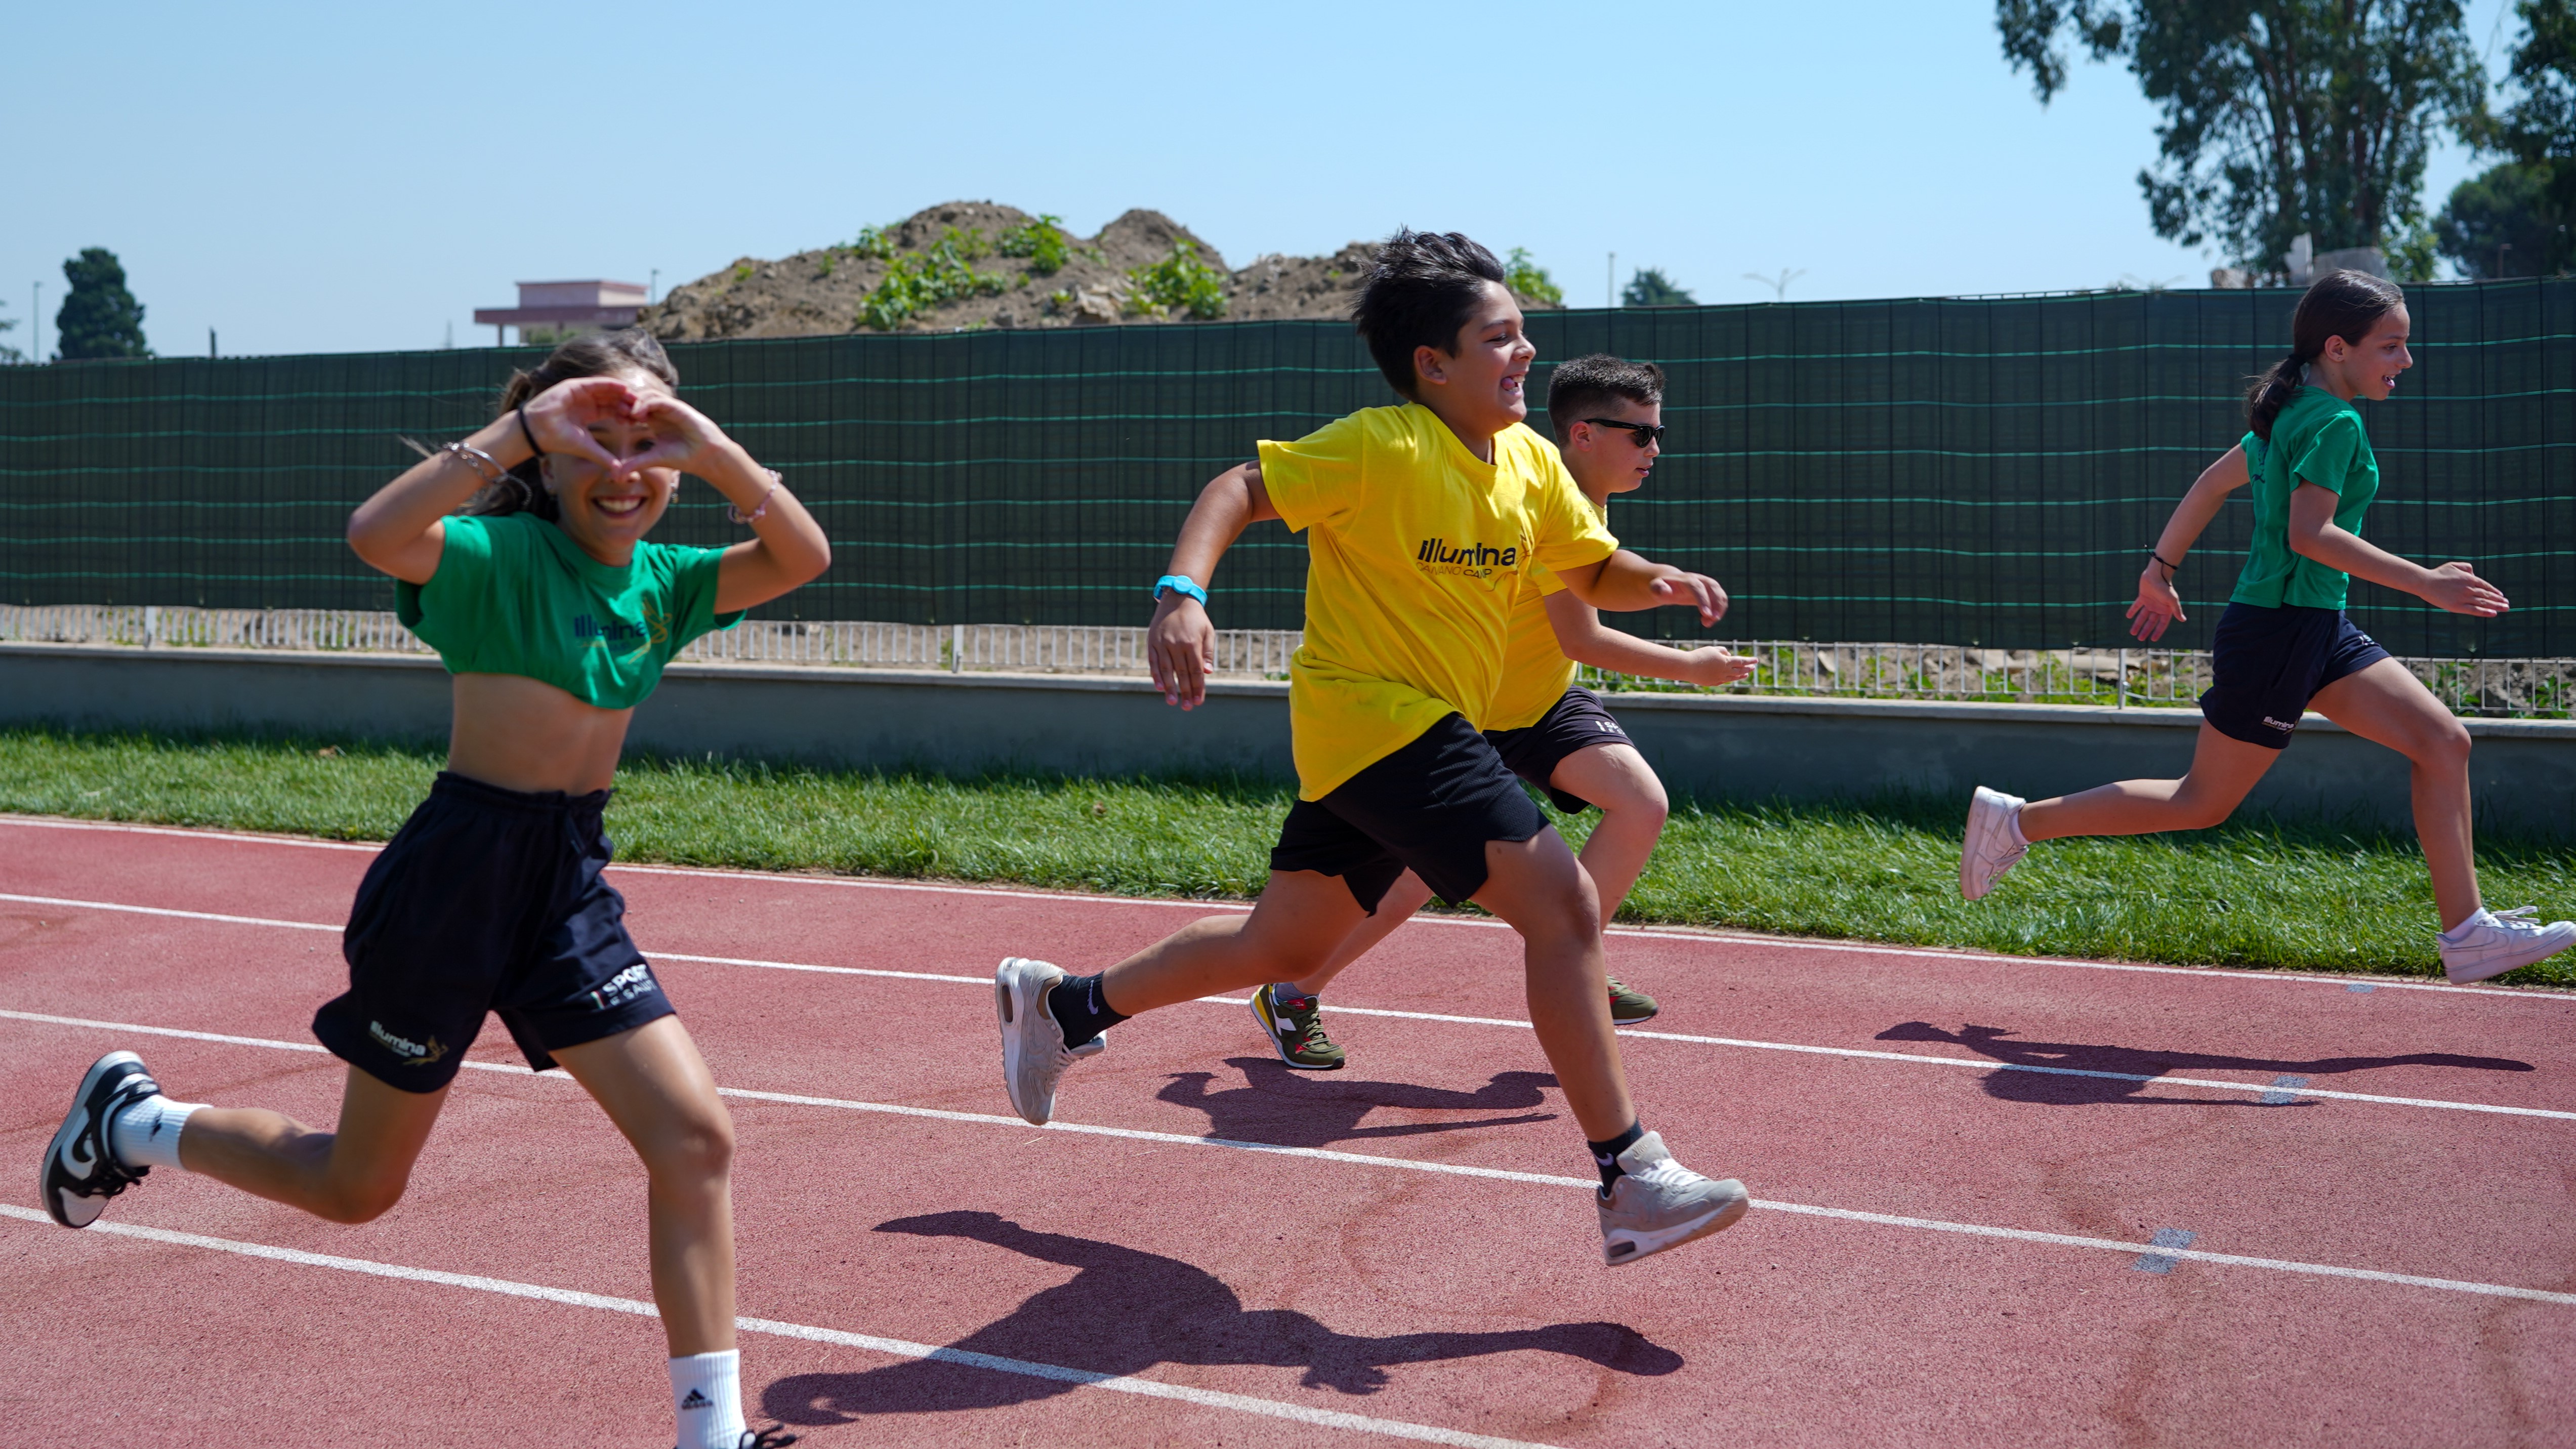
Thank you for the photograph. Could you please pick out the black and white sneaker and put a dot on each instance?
(774, 1436)
(81, 1171)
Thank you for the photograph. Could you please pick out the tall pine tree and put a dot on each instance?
(99, 317)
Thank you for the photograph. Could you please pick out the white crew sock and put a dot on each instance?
(146, 1134)
(706, 1393)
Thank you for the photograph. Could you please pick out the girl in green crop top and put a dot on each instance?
(2285, 646)
(521, 555)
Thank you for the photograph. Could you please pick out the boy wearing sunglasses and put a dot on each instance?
(1424, 523)
(1607, 414)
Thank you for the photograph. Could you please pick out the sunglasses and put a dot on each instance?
(1644, 434)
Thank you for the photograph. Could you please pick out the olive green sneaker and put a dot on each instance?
(1628, 1006)
(1297, 1032)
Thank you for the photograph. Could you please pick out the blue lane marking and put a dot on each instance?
(2164, 1238)
(2280, 1095)
(2361, 986)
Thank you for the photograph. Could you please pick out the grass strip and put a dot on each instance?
(2305, 895)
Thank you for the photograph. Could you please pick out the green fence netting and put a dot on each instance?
(1940, 471)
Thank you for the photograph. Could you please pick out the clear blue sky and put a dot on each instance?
(309, 178)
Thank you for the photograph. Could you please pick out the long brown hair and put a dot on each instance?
(599, 354)
(2341, 304)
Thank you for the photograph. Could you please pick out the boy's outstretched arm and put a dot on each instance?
(1180, 645)
(1625, 583)
(1580, 633)
(2158, 605)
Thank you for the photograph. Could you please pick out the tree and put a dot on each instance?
(10, 356)
(99, 317)
(2519, 219)
(1651, 288)
(1526, 278)
(2281, 117)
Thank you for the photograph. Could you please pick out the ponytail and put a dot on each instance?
(601, 354)
(2341, 304)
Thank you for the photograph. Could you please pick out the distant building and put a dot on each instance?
(560, 309)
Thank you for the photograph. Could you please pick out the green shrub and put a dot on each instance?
(1529, 279)
(875, 243)
(1178, 282)
(1042, 241)
(944, 271)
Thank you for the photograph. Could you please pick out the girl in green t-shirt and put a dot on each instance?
(2284, 646)
(520, 555)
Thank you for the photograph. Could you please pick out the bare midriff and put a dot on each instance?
(523, 734)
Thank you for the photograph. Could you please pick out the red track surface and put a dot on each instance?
(1345, 1281)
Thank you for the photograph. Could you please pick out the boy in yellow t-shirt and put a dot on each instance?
(1424, 525)
(1607, 414)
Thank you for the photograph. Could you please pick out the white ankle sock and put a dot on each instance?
(706, 1393)
(146, 1134)
(2460, 932)
(2013, 821)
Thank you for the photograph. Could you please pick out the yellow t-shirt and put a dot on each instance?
(1536, 673)
(1417, 555)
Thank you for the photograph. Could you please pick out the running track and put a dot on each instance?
(2001, 1201)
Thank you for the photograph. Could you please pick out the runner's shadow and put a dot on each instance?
(1284, 1107)
(1126, 1311)
(2133, 1069)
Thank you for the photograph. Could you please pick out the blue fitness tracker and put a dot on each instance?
(1179, 583)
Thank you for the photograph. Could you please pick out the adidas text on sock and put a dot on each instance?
(146, 1133)
(706, 1395)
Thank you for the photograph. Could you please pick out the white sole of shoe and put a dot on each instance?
(1018, 986)
(1646, 1245)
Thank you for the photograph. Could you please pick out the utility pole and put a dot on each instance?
(210, 344)
(1779, 285)
(35, 321)
(653, 288)
(1610, 281)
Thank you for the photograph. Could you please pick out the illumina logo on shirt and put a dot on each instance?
(1478, 560)
(600, 637)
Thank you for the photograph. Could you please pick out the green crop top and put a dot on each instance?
(513, 595)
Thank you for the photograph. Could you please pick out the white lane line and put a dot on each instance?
(873, 1343)
(1704, 938)
(1453, 1169)
(1858, 1053)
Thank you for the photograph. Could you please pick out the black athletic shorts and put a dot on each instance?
(486, 900)
(2266, 664)
(1576, 721)
(1429, 807)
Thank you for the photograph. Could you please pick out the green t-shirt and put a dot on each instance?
(513, 595)
(2317, 439)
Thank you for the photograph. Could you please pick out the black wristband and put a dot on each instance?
(2160, 558)
(528, 433)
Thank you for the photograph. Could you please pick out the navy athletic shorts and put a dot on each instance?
(2266, 664)
(1429, 807)
(487, 900)
(1575, 722)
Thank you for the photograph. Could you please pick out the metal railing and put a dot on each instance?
(2120, 678)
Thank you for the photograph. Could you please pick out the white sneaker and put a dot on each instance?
(1989, 850)
(1033, 1051)
(1661, 1204)
(2492, 943)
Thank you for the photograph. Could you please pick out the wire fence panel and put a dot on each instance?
(1982, 472)
(2122, 678)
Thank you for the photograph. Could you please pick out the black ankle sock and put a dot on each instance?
(1605, 1155)
(1076, 1005)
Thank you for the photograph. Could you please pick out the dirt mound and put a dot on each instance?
(974, 264)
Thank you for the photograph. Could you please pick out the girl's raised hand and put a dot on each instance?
(2456, 586)
(2157, 606)
(562, 416)
(676, 436)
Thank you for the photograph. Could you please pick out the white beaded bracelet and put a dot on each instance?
(734, 511)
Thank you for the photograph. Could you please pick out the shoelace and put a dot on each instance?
(2521, 920)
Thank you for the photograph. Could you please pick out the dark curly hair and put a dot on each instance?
(1419, 292)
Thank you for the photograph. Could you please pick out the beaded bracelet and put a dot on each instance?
(734, 511)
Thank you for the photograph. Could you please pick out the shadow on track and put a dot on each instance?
(2049, 1089)
(1284, 1107)
(1126, 1311)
